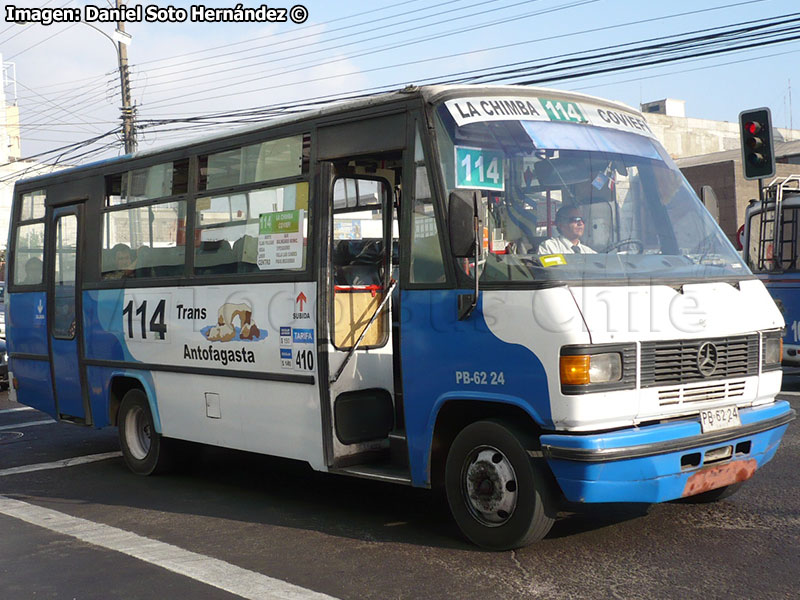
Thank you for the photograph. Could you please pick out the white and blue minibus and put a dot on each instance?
(376, 287)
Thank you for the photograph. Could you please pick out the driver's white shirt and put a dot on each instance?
(561, 245)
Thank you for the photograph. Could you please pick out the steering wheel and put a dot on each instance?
(638, 244)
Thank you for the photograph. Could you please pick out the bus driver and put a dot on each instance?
(570, 224)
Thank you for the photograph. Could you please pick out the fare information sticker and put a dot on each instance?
(280, 240)
(506, 108)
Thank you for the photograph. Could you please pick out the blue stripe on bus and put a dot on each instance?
(105, 340)
(103, 327)
(435, 345)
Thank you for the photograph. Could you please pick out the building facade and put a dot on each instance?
(709, 153)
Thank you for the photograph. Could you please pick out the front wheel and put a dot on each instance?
(498, 497)
(144, 450)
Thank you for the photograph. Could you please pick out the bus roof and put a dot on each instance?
(429, 94)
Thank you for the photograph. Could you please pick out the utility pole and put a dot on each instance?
(791, 124)
(128, 111)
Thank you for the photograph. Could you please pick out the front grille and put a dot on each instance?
(675, 362)
(701, 393)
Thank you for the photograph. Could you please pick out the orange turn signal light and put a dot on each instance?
(575, 369)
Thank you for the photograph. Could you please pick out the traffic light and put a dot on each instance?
(758, 156)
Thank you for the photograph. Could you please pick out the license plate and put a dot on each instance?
(715, 419)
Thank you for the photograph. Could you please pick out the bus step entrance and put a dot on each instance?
(382, 472)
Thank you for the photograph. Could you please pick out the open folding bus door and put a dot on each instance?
(361, 277)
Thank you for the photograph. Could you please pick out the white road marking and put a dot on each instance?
(211, 571)
(29, 424)
(59, 464)
(10, 410)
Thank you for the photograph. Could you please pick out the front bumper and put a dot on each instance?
(663, 462)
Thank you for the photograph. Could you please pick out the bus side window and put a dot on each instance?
(143, 241)
(214, 257)
(228, 228)
(29, 254)
(245, 251)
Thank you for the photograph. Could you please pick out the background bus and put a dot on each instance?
(772, 230)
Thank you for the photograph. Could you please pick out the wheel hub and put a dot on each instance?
(137, 430)
(490, 486)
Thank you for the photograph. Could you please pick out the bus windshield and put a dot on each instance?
(571, 201)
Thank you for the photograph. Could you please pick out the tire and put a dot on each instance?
(714, 495)
(498, 497)
(144, 450)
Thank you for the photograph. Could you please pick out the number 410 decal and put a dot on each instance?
(152, 328)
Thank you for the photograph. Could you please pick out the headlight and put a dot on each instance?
(772, 350)
(591, 368)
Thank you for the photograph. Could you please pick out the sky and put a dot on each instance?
(67, 88)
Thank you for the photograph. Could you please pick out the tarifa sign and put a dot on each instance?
(505, 108)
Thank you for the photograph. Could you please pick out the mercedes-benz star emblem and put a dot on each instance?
(707, 359)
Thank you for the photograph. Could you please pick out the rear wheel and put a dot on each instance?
(499, 498)
(144, 450)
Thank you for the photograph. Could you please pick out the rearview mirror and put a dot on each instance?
(462, 208)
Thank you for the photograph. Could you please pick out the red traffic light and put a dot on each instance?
(758, 157)
(752, 127)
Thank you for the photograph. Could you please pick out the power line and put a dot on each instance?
(51, 102)
(648, 52)
(729, 33)
(311, 26)
(81, 99)
(376, 50)
(703, 68)
(69, 86)
(506, 46)
(634, 55)
(62, 149)
(614, 50)
(370, 31)
(30, 25)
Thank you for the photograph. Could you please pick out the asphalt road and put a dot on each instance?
(234, 522)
